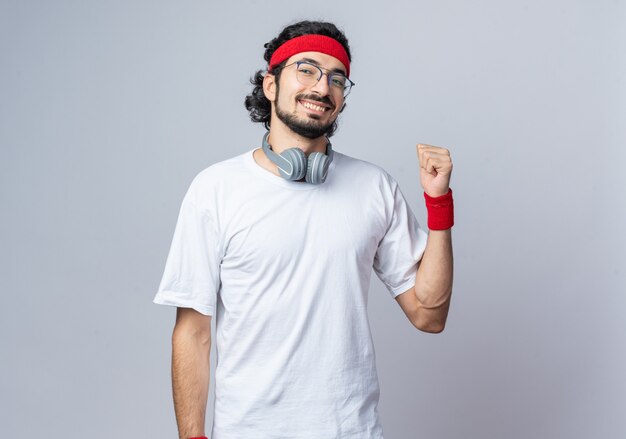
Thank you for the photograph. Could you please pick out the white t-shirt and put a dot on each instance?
(284, 267)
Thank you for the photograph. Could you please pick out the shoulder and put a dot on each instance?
(364, 171)
(210, 183)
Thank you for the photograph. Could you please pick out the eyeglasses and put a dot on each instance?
(309, 74)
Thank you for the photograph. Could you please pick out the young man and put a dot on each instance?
(279, 244)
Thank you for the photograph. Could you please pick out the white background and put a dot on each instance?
(109, 109)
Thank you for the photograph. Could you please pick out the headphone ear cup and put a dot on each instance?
(298, 161)
(317, 168)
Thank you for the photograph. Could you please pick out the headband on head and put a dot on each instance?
(311, 43)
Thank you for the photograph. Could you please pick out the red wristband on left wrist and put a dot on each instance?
(440, 211)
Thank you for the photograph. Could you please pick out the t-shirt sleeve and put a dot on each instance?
(401, 248)
(191, 278)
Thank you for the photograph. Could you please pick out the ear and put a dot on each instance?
(269, 87)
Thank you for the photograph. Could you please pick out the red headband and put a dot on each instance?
(311, 43)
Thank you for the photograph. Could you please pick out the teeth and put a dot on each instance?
(313, 107)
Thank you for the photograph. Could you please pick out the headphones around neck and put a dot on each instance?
(293, 164)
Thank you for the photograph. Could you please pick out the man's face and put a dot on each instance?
(309, 111)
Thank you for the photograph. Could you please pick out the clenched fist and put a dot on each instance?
(435, 169)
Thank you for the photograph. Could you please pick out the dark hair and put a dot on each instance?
(256, 103)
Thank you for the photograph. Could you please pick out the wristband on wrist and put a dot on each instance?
(440, 211)
(199, 437)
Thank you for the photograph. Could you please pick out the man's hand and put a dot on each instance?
(435, 169)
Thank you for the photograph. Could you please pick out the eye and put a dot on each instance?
(339, 81)
(306, 70)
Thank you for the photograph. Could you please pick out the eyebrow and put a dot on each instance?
(312, 61)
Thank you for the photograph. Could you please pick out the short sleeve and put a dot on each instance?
(401, 248)
(191, 278)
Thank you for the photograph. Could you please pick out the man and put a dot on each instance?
(279, 244)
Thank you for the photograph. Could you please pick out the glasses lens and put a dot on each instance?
(339, 83)
(307, 74)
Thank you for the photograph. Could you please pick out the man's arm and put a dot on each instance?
(426, 304)
(191, 348)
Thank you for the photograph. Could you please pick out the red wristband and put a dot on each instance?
(440, 211)
(199, 437)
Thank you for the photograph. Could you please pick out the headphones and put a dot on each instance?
(293, 164)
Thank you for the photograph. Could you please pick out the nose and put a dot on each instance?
(322, 87)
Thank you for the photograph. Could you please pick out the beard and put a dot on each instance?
(310, 128)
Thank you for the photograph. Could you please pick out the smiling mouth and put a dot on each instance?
(310, 106)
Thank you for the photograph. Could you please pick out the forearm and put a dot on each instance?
(433, 282)
(190, 381)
